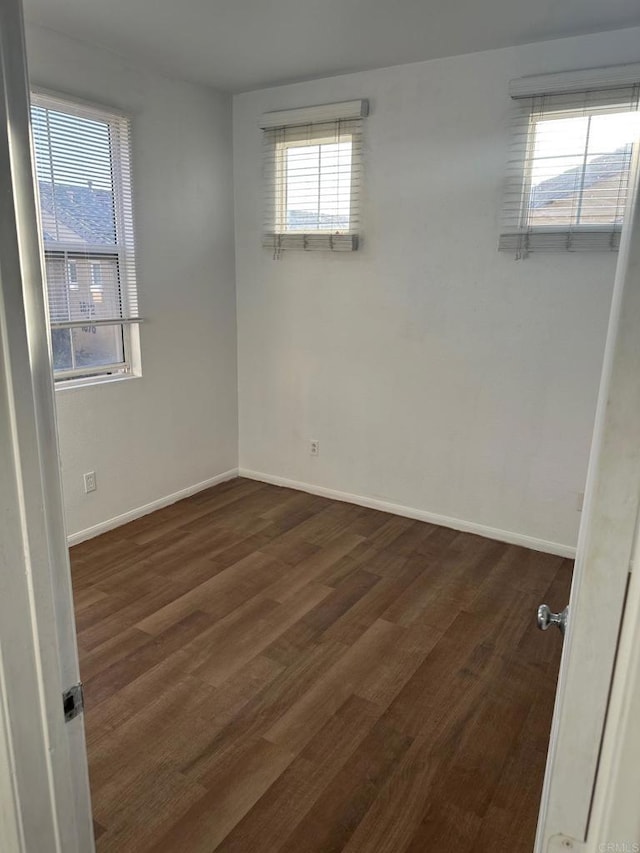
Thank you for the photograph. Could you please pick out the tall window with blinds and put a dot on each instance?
(569, 171)
(83, 175)
(312, 173)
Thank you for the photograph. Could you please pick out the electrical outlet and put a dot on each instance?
(314, 448)
(90, 482)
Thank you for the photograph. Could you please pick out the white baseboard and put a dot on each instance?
(512, 538)
(118, 520)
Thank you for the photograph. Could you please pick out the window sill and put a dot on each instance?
(91, 381)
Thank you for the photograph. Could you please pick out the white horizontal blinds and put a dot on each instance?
(312, 174)
(569, 170)
(83, 175)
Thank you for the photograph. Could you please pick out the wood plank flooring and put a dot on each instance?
(266, 671)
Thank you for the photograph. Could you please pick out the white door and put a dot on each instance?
(605, 549)
(44, 790)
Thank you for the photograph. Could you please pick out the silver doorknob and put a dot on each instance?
(546, 618)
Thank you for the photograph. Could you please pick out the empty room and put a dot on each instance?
(319, 399)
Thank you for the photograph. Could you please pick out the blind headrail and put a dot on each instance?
(583, 80)
(344, 110)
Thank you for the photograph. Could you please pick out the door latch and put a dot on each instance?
(73, 702)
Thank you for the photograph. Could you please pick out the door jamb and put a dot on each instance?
(45, 801)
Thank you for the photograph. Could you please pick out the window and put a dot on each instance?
(316, 190)
(73, 275)
(84, 183)
(312, 177)
(570, 171)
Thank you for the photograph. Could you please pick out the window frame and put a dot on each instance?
(122, 251)
(529, 162)
(282, 186)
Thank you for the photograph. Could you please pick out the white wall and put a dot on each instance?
(176, 426)
(436, 373)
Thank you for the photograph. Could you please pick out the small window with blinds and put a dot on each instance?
(83, 175)
(312, 168)
(569, 172)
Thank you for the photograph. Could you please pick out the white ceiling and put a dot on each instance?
(243, 44)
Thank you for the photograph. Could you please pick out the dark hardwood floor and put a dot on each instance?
(266, 670)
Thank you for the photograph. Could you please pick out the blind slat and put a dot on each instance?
(111, 321)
